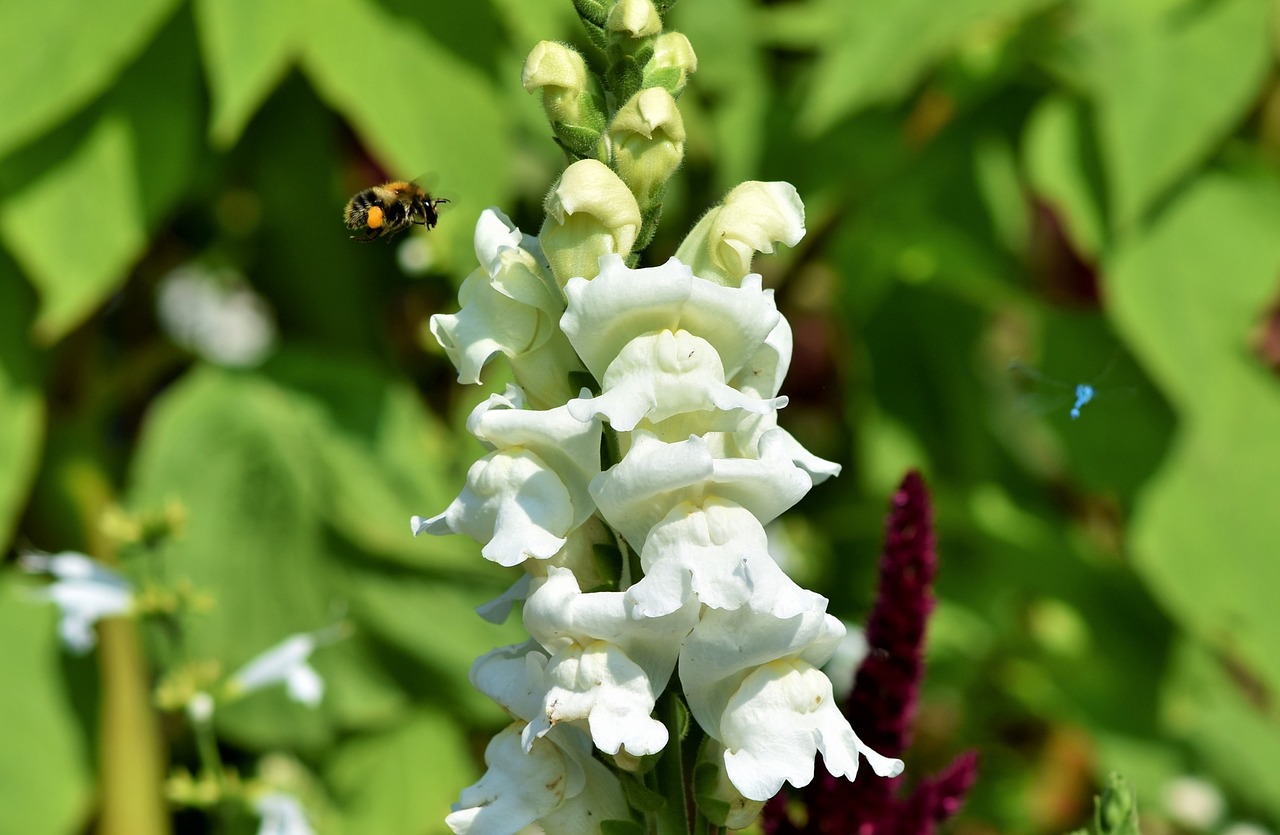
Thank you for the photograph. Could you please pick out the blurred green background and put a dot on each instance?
(1087, 187)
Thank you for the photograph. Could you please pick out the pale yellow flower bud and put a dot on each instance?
(672, 63)
(646, 137)
(634, 18)
(751, 218)
(590, 212)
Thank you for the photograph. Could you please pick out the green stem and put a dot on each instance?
(672, 776)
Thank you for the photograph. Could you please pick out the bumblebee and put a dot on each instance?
(387, 209)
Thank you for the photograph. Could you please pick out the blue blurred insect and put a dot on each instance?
(1079, 394)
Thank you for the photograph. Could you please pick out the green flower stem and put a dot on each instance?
(673, 778)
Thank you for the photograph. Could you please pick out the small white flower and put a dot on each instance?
(753, 685)
(281, 814)
(605, 669)
(719, 553)
(751, 218)
(285, 663)
(85, 592)
(557, 783)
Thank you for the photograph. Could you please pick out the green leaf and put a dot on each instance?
(61, 53)
(247, 48)
(1186, 294)
(237, 451)
(401, 782)
(130, 161)
(874, 52)
(1214, 704)
(75, 265)
(1169, 85)
(1062, 169)
(21, 400)
(46, 780)
(417, 107)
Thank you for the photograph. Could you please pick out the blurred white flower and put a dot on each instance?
(85, 592)
(281, 814)
(214, 314)
(285, 663)
(1194, 802)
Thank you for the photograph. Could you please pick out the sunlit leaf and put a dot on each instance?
(875, 51)
(21, 400)
(59, 54)
(1186, 295)
(1168, 85)
(45, 768)
(247, 46)
(402, 781)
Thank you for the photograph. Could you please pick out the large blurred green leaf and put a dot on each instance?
(247, 46)
(413, 103)
(1187, 295)
(59, 54)
(292, 483)
(1211, 703)
(46, 779)
(77, 224)
(873, 52)
(1063, 172)
(401, 782)
(1168, 85)
(21, 400)
(73, 263)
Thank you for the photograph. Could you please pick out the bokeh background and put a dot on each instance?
(1088, 188)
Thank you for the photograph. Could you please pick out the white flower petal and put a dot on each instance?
(781, 715)
(663, 374)
(513, 503)
(728, 645)
(518, 788)
(85, 593)
(514, 677)
(619, 304)
(488, 323)
(605, 668)
(764, 371)
(652, 478)
(282, 814)
(568, 445)
(499, 609)
(720, 553)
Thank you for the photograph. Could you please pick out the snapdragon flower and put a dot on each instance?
(631, 470)
(85, 592)
(285, 663)
(282, 814)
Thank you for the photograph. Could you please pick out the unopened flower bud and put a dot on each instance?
(672, 63)
(560, 73)
(647, 140)
(751, 218)
(590, 212)
(634, 18)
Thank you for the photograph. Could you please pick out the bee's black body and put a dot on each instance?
(387, 209)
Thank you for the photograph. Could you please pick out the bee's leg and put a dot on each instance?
(366, 237)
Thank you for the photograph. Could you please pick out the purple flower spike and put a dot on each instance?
(882, 705)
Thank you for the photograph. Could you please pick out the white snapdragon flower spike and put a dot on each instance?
(85, 592)
(285, 663)
(282, 814)
(604, 668)
(689, 357)
(753, 685)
